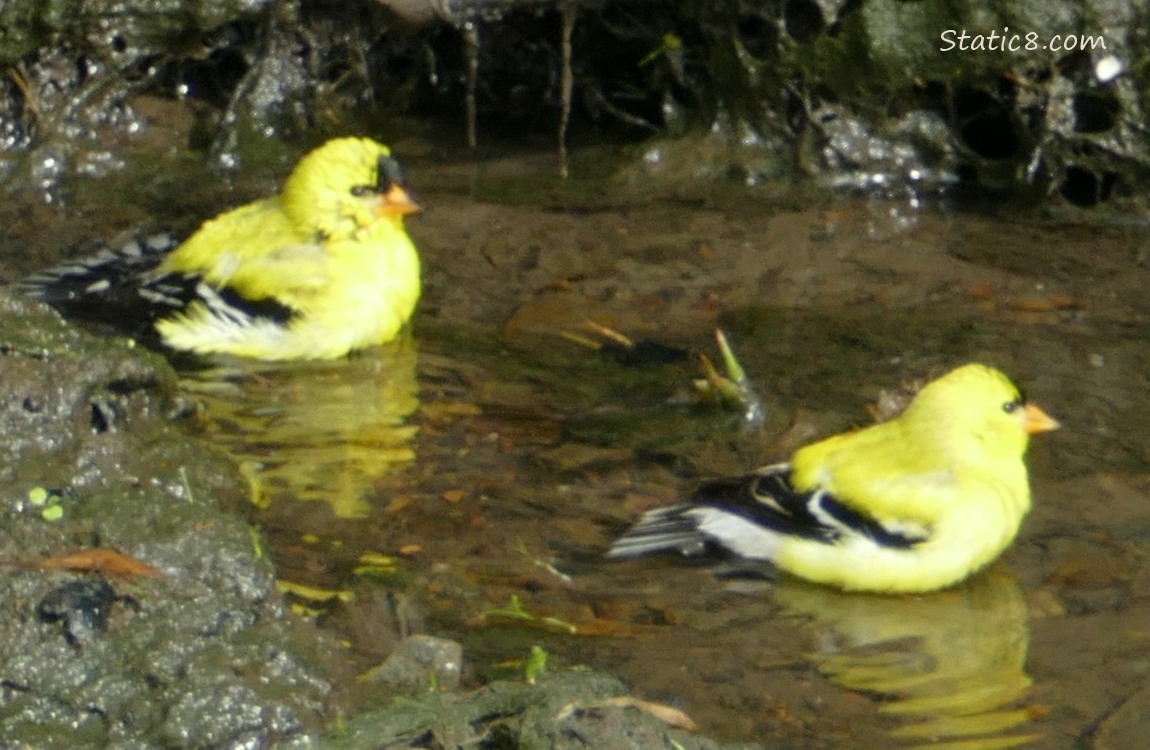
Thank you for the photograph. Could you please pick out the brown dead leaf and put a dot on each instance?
(398, 503)
(449, 411)
(104, 560)
(1049, 303)
(1079, 570)
(982, 290)
(668, 715)
(1038, 711)
(603, 627)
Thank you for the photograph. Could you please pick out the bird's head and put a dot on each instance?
(345, 185)
(979, 402)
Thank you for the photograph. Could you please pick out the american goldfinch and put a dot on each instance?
(317, 271)
(913, 504)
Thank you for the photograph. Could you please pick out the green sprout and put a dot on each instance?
(734, 390)
(672, 44)
(536, 664)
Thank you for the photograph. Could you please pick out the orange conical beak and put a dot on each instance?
(397, 202)
(1038, 421)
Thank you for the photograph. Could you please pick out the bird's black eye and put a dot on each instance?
(1011, 406)
(360, 191)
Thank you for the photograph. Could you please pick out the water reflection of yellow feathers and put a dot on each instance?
(951, 663)
(320, 431)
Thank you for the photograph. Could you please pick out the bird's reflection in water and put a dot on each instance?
(950, 664)
(320, 431)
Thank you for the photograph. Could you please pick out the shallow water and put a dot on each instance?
(466, 482)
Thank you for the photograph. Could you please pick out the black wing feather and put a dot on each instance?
(766, 499)
(108, 288)
(119, 288)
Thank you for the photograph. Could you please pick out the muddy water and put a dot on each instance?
(466, 481)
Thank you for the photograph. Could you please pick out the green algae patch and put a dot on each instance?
(198, 652)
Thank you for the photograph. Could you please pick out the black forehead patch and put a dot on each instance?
(389, 174)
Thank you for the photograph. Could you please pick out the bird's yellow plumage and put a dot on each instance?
(331, 247)
(913, 504)
(323, 268)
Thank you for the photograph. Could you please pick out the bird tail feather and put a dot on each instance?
(660, 530)
(116, 286)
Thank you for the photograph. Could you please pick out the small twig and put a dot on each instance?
(566, 85)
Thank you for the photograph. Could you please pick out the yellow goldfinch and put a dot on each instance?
(914, 504)
(313, 273)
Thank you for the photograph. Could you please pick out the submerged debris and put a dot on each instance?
(84, 607)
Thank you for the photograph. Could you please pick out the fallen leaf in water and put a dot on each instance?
(1039, 711)
(99, 560)
(398, 503)
(573, 456)
(605, 627)
(668, 715)
(449, 411)
(313, 593)
(982, 290)
(516, 614)
(1049, 303)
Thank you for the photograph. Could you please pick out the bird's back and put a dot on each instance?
(223, 245)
